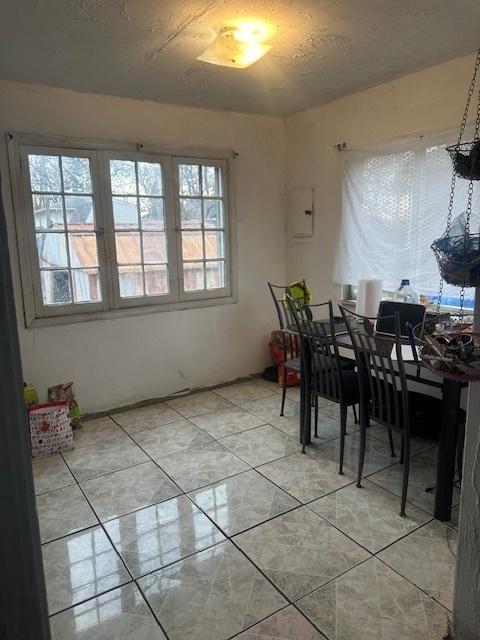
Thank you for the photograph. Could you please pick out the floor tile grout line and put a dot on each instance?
(257, 426)
(102, 475)
(147, 506)
(229, 536)
(155, 617)
(98, 595)
(425, 524)
(373, 553)
(250, 627)
(290, 600)
(409, 501)
(449, 611)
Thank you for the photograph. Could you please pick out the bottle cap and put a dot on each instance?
(405, 282)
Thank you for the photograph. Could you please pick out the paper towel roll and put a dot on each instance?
(369, 295)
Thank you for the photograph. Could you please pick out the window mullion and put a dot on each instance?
(175, 234)
(105, 233)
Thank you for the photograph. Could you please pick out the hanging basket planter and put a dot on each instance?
(458, 259)
(451, 348)
(466, 159)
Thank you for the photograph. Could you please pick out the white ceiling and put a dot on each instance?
(322, 49)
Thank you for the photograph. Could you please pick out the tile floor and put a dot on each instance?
(199, 519)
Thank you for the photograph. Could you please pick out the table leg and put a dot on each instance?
(447, 449)
(305, 397)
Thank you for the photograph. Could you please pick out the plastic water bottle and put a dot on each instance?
(405, 293)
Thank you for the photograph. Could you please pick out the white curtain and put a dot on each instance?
(395, 203)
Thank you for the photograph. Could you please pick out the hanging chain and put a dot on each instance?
(466, 240)
(470, 186)
(469, 98)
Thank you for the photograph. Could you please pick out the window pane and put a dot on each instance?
(212, 181)
(122, 177)
(80, 213)
(150, 179)
(189, 179)
(83, 249)
(156, 280)
(52, 249)
(192, 245)
(128, 248)
(44, 173)
(151, 213)
(55, 287)
(215, 275)
(131, 281)
(214, 244)
(125, 213)
(191, 213)
(48, 211)
(154, 247)
(193, 276)
(86, 285)
(76, 175)
(213, 213)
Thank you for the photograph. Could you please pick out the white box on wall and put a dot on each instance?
(301, 213)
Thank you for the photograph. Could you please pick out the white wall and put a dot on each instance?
(431, 100)
(121, 361)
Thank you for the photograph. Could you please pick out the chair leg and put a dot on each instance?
(402, 453)
(363, 444)
(460, 446)
(355, 417)
(343, 431)
(284, 390)
(316, 416)
(406, 471)
(390, 440)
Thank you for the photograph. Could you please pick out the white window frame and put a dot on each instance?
(99, 153)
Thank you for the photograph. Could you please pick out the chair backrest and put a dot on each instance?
(286, 321)
(382, 378)
(319, 336)
(285, 318)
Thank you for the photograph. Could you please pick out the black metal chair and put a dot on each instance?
(383, 387)
(332, 377)
(290, 341)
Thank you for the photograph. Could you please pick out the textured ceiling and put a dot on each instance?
(322, 49)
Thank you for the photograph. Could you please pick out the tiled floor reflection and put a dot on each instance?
(80, 566)
(238, 503)
(121, 614)
(159, 535)
(213, 594)
(200, 519)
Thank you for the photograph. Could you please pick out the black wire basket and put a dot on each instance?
(466, 159)
(458, 259)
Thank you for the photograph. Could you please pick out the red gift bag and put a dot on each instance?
(50, 429)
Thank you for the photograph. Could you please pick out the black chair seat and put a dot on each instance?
(350, 388)
(327, 364)
(293, 364)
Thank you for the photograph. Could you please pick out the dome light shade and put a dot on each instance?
(238, 46)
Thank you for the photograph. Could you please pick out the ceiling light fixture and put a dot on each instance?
(239, 46)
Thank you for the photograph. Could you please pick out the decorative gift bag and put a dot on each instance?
(50, 429)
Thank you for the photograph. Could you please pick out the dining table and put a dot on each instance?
(450, 392)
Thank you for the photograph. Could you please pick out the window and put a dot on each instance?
(104, 230)
(395, 203)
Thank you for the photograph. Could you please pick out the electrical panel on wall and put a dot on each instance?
(301, 213)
